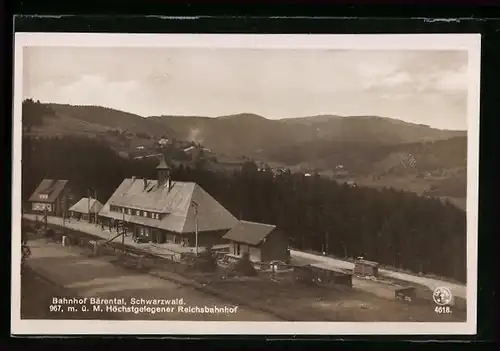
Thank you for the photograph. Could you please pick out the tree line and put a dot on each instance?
(34, 112)
(392, 227)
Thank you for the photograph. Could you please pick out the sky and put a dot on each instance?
(428, 87)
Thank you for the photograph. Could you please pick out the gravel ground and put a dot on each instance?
(56, 272)
(329, 304)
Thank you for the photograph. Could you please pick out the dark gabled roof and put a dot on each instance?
(367, 263)
(84, 205)
(250, 233)
(50, 188)
(176, 203)
(327, 267)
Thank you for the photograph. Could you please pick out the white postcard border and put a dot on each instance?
(469, 42)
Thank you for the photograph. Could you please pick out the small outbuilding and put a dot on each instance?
(51, 197)
(262, 242)
(86, 209)
(366, 268)
(407, 293)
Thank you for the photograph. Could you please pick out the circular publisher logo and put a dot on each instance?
(442, 296)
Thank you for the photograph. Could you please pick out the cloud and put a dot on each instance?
(452, 80)
(397, 96)
(444, 81)
(379, 74)
(390, 81)
(373, 70)
(397, 79)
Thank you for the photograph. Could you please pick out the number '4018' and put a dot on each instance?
(442, 309)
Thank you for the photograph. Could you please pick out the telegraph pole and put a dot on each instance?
(123, 226)
(64, 217)
(327, 237)
(45, 214)
(195, 205)
(196, 230)
(88, 204)
(95, 207)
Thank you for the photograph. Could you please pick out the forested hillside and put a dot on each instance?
(256, 135)
(395, 228)
(364, 145)
(111, 118)
(374, 158)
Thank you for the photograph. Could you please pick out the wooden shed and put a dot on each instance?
(86, 209)
(324, 275)
(407, 293)
(366, 268)
(262, 242)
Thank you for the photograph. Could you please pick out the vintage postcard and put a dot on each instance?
(245, 184)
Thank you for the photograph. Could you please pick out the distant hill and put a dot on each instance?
(235, 135)
(367, 147)
(255, 135)
(107, 118)
(362, 143)
(368, 129)
(373, 157)
(127, 133)
(246, 133)
(429, 156)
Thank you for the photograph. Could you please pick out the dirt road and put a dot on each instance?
(57, 272)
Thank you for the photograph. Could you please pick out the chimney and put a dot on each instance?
(163, 171)
(145, 183)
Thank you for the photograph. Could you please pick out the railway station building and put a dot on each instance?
(166, 211)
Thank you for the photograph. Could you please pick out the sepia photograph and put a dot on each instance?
(245, 184)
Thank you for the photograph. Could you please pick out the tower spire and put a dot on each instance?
(163, 171)
(163, 164)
